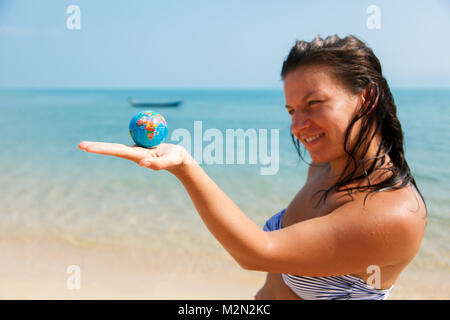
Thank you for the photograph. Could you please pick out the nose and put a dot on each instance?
(299, 123)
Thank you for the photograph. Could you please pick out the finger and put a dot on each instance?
(114, 149)
(146, 162)
(156, 163)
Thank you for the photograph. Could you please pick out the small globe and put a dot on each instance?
(148, 129)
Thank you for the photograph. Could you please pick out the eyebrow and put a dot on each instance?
(305, 97)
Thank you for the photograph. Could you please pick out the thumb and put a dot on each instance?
(155, 163)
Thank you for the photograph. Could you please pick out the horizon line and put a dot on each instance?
(196, 88)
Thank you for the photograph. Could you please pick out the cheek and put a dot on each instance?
(338, 124)
(336, 130)
(334, 126)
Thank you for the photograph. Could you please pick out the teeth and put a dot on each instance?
(309, 139)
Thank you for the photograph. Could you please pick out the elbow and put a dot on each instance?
(249, 265)
(258, 258)
(254, 262)
(244, 265)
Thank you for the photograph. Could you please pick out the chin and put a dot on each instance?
(319, 158)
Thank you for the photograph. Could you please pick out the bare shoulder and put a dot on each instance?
(394, 218)
(405, 204)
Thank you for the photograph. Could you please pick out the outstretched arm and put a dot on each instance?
(345, 241)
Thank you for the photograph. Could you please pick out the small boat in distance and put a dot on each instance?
(135, 103)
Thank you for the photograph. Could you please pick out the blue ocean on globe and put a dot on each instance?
(148, 129)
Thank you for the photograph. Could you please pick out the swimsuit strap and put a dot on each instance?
(274, 223)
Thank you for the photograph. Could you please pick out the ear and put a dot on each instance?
(367, 96)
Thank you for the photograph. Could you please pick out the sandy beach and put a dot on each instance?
(38, 270)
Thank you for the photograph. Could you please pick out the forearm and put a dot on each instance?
(240, 236)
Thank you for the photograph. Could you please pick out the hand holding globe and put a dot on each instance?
(147, 129)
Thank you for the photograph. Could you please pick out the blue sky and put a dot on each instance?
(209, 44)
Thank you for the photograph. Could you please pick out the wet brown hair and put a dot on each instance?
(353, 63)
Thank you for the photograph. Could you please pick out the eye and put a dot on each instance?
(313, 102)
(291, 112)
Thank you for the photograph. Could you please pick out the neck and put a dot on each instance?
(338, 166)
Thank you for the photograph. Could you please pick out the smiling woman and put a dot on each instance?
(359, 209)
(344, 115)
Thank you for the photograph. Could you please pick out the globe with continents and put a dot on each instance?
(148, 129)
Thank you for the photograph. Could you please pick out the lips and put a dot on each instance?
(313, 138)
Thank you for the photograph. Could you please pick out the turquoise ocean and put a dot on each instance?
(51, 190)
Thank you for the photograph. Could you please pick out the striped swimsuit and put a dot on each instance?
(345, 287)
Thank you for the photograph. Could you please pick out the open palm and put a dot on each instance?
(164, 156)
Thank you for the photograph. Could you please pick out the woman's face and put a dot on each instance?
(321, 110)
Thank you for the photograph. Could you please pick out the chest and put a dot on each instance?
(308, 203)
